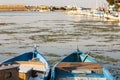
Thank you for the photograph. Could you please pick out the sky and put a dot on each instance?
(79, 3)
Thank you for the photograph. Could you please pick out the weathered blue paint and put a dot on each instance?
(79, 56)
(28, 56)
(107, 74)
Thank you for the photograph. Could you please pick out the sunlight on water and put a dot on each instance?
(57, 33)
(23, 29)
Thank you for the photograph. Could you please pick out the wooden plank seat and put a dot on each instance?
(79, 67)
(7, 66)
(79, 78)
(25, 66)
(80, 70)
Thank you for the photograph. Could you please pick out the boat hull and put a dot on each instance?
(29, 56)
(78, 65)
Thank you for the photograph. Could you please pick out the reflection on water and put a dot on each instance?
(58, 33)
(26, 28)
(23, 29)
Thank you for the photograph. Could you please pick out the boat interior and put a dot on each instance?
(24, 70)
(79, 71)
(78, 57)
(79, 67)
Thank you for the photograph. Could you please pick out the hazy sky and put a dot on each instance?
(79, 3)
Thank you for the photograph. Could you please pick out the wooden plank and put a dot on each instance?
(79, 78)
(22, 76)
(30, 62)
(9, 74)
(79, 65)
(2, 76)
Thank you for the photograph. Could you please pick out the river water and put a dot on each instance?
(57, 33)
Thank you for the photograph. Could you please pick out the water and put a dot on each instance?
(57, 33)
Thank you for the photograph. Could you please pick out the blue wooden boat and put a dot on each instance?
(28, 63)
(79, 66)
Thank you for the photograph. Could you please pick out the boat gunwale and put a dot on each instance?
(32, 52)
(106, 73)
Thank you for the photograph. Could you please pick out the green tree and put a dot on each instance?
(117, 6)
(111, 2)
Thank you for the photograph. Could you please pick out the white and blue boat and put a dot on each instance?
(30, 62)
(79, 66)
